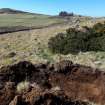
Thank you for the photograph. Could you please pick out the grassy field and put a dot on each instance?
(27, 20)
(32, 45)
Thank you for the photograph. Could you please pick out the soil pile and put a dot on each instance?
(62, 83)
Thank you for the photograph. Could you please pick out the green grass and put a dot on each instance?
(27, 20)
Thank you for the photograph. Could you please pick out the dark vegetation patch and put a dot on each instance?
(74, 41)
(64, 14)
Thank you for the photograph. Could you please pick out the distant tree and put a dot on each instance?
(64, 13)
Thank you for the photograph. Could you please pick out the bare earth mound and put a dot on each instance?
(62, 83)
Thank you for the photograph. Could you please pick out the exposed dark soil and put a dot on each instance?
(4, 30)
(62, 83)
(12, 29)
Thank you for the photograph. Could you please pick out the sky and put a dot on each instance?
(52, 7)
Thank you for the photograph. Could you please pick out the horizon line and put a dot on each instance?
(56, 14)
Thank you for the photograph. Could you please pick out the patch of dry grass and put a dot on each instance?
(32, 46)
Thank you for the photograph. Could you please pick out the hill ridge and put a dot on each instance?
(11, 11)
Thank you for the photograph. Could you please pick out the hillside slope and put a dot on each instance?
(32, 44)
(10, 18)
(10, 11)
(16, 20)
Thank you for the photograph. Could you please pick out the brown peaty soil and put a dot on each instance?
(62, 83)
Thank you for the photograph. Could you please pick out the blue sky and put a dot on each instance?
(83, 7)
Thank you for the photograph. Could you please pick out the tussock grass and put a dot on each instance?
(22, 87)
